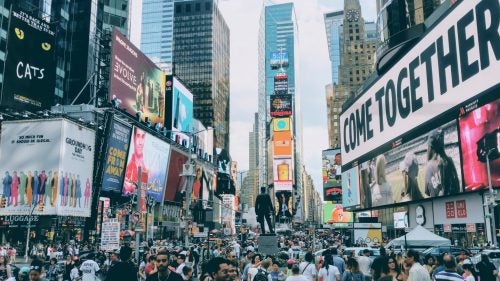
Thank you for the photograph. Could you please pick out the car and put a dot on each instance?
(359, 251)
(493, 255)
(437, 251)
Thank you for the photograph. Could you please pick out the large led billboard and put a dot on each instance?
(350, 187)
(429, 82)
(136, 80)
(175, 182)
(332, 175)
(116, 156)
(282, 144)
(179, 109)
(278, 59)
(284, 205)
(30, 71)
(283, 174)
(152, 155)
(334, 213)
(50, 165)
(280, 84)
(281, 105)
(281, 124)
(474, 125)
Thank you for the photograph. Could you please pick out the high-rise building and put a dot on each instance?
(250, 188)
(157, 32)
(358, 41)
(201, 60)
(333, 23)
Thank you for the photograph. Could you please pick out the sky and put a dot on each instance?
(242, 17)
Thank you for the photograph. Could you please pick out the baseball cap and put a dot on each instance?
(24, 270)
(290, 261)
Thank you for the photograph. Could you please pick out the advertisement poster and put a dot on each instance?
(152, 155)
(473, 127)
(401, 220)
(334, 213)
(283, 174)
(426, 166)
(179, 109)
(284, 206)
(368, 235)
(282, 144)
(116, 157)
(30, 70)
(50, 167)
(281, 105)
(280, 84)
(281, 124)
(278, 59)
(175, 182)
(110, 235)
(332, 172)
(228, 213)
(350, 184)
(136, 80)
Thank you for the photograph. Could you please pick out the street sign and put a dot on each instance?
(110, 235)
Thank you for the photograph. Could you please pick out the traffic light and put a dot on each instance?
(3, 202)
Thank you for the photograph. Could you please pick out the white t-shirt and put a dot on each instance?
(333, 271)
(89, 268)
(296, 278)
(180, 267)
(308, 270)
(254, 270)
(365, 265)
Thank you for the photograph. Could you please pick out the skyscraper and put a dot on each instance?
(201, 60)
(333, 23)
(157, 32)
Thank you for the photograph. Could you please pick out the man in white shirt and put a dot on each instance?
(365, 264)
(417, 271)
(308, 268)
(89, 268)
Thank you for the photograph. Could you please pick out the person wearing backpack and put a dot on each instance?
(262, 273)
(308, 268)
(352, 272)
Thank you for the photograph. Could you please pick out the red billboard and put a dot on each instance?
(136, 81)
(175, 181)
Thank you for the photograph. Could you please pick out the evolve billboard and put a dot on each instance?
(281, 105)
(50, 164)
(152, 155)
(116, 156)
(457, 60)
(30, 71)
(179, 109)
(136, 80)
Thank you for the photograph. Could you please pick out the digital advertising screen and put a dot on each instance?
(350, 187)
(332, 175)
(401, 220)
(334, 213)
(281, 124)
(283, 174)
(284, 205)
(278, 59)
(30, 66)
(281, 105)
(179, 109)
(280, 84)
(282, 144)
(136, 80)
(152, 155)
(175, 182)
(474, 126)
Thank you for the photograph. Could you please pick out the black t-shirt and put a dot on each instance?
(377, 265)
(172, 276)
(122, 271)
(486, 270)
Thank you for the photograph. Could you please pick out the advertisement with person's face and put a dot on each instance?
(175, 182)
(332, 172)
(350, 193)
(427, 166)
(284, 205)
(334, 213)
(474, 126)
(136, 80)
(152, 155)
(182, 109)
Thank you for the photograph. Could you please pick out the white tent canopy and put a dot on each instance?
(420, 237)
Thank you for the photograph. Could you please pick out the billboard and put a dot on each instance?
(152, 155)
(179, 109)
(281, 124)
(284, 206)
(136, 80)
(228, 212)
(175, 182)
(282, 143)
(116, 156)
(334, 213)
(474, 125)
(332, 175)
(350, 186)
(278, 59)
(281, 84)
(401, 220)
(422, 167)
(50, 165)
(30, 70)
(283, 174)
(281, 105)
(418, 89)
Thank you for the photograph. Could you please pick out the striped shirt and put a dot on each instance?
(446, 275)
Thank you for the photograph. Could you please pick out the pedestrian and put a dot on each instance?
(395, 271)
(5, 269)
(417, 271)
(276, 274)
(429, 263)
(450, 272)
(352, 272)
(251, 269)
(52, 272)
(187, 273)
(234, 273)
(180, 261)
(365, 264)
(308, 268)
(68, 266)
(75, 274)
(163, 273)
(289, 265)
(379, 263)
(337, 260)
(296, 276)
(23, 275)
(469, 272)
(328, 271)
(487, 270)
(124, 270)
(89, 270)
(150, 268)
(217, 269)
(35, 273)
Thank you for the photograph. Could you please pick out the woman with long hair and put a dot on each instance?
(395, 271)
(328, 272)
(409, 169)
(5, 269)
(381, 190)
(352, 272)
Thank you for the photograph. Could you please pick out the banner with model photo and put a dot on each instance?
(50, 167)
(332, 174)
(334, 213)
(136, 80)
(350, 190)
(152, 155)
(284, 206)
(228, 212)
(30, 70)
(179, 110)
(175, 182)
(283, 174)
(423, 167)
(116, 156)
(281, 105)
(476, 125)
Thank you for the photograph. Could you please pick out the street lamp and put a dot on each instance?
(26, 255)
(150, 202)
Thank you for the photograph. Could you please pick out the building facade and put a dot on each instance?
(201, 60)
(333, 23)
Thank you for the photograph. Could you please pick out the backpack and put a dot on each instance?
(261, 275)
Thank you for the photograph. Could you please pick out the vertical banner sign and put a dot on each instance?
(136, 80)
(228, 214)
(332, 175)
(461, 209)
(30, 71)
(450, 210)
(116, 157)
(110, 235)
(51, 166)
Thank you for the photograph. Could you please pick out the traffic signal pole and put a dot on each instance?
(28, 233)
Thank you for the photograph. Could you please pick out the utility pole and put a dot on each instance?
(26, 251)
(138, 209)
